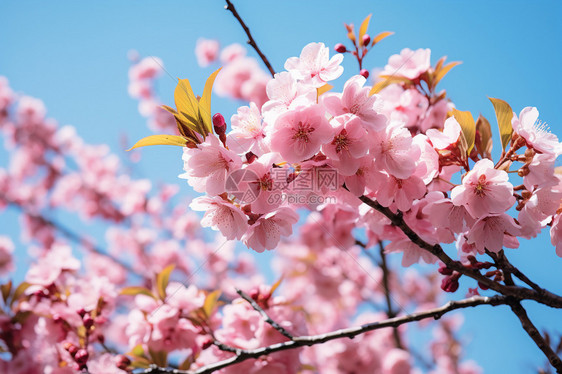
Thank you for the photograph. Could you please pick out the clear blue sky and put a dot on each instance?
(72, 55)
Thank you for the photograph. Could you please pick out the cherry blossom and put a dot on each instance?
(409, 64)
(206, 51)
(534, 132)
(484, 190)
(315, 65)
(221, 215)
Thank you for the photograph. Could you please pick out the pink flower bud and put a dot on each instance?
(81, 312)
(88, 321)
(122, 362)
(206, 343)
(81, 357)
(366, 39)
(450, 284)
(443, 269)
(364, 72)
(219, 124)
(340, 48)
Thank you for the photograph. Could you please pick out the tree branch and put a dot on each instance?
(532, 331)
(386, 285)
(71, 235)
(229, 6)
(350, 332)
(546, 298)
(264, 315)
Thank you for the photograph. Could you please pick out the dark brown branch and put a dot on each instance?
(546, 298)
(350, 332)
(264, 315)
(229, 6)
(386, 285)
(532, 331)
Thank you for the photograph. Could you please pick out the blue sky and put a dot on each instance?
(73, 55)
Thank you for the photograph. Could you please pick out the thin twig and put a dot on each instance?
(69, 234)
(532, 331)
(350, 332)
(229, 6)
(546, 297)
(264, 315)
(386, 285)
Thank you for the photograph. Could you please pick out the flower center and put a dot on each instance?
(341, 141)
(302, 132)
(482, 186)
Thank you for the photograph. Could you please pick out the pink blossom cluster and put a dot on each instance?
(242, 77)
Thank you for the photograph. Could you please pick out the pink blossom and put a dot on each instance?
(49, 267)
(350, 143)
(247, 133)
(412, 253)
(484, 190)
(266, 184)
(449, 136)
(222, 216)
(6, 251)
(397, 361)
(365, 176)
(298, 134)
(409, 64)
(206, 51)
(443, 213)
(490, 231)
(356, 100)
(400, 191)
(147, 68)
(315, 65)
(556, 234)
(266, 232)
(285, 92)
(207, 166)
(243, 78)
(232, 52)
(104, 364)
(534, 132)
(541, 172)
(393, 150)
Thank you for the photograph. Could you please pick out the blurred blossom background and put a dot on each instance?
(75, 56)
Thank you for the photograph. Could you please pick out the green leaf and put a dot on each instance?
(468, 127)
(381, 36)
(205, 102)
(211, 302)
(134, 291)
(483, 142)
(137, 351)
(504, 115)
(363, 29)
(160, 140)
(162, 280)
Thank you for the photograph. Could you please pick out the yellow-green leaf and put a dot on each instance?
(186, 364)
(211, 302)
(276, 285)
(162, 280)
(20, 290)
(6, 289)
(363, 28)
(504, 115)
(322, 90)
(141, 363)
(134, 291)
(161, 140)
(387, 80)
(483, 142)
(381, 36)
(160, 358)
(468, 127)
(205, 101)
(185, 99)
(137, 351)
(439, 74)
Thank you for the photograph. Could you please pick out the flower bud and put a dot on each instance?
(206, 343)
(219, 124)
(366, 39)
(81, 312)
(88, 321)
(364, 72)
(81, 357)
(122, 362)
(340, 48)
(443, 269)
